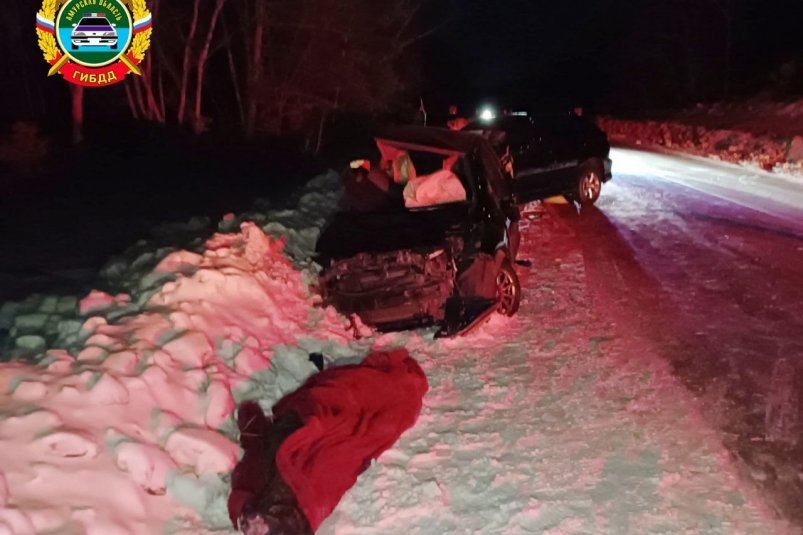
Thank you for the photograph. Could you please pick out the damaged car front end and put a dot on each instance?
(397, 289)
(421, 259)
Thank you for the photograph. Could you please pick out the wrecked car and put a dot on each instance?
(429, 236)
(547, 156)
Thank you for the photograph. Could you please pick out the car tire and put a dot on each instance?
(508, 289)
(75, 47)
(114, 46)
(589, 183)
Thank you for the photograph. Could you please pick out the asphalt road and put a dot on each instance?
(704, 261)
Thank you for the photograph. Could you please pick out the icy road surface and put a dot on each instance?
(710, 258)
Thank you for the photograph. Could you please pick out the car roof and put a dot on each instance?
(507, 122)
(430, 138)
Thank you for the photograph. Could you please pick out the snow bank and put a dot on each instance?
(124, 424)
(768, 152)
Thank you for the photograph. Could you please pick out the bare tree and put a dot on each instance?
(326, 57)
(185, 65)
(200, 65)
(255, 65)
(292, 64)
(234, 75)
(77, 98)
(173, 77)
(145, 93)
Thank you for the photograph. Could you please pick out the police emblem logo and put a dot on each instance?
(94, 43)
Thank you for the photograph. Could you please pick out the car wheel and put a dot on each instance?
(508, 289)
(75, 47)
(114, 46)
(589, 183)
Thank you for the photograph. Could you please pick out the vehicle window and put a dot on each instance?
(426, 163)
(95, 21)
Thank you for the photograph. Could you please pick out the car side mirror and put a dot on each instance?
(74, 25)
(113, 24)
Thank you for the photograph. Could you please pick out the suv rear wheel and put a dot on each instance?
(589, 183)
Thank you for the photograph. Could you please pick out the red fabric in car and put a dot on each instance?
(351, 415)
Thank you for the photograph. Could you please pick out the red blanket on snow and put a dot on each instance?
(347, 416)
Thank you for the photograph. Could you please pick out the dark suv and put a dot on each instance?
(550, 155)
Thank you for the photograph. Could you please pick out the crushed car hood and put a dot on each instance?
(355, 232)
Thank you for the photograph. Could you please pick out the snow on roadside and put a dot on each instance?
(127, 428)
(770, 153)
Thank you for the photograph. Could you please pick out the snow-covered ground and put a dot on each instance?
(565, 419)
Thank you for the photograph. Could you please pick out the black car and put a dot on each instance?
(433, 247)
(550, 155)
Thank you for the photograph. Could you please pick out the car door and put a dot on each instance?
(545, 164)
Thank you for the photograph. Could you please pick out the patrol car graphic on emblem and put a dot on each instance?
(94, 29)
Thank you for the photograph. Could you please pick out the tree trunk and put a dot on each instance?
(162, 105)
(148, 85)
(77, 92)
(132, 105)
(185, 66)
(138, 98)
(203, 56)
(235, 81)
(141, 90)
(320, 134)
(255, 68)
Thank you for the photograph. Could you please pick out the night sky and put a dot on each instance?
(607, 53)
(614, 56)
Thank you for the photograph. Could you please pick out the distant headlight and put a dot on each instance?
(487, 114)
